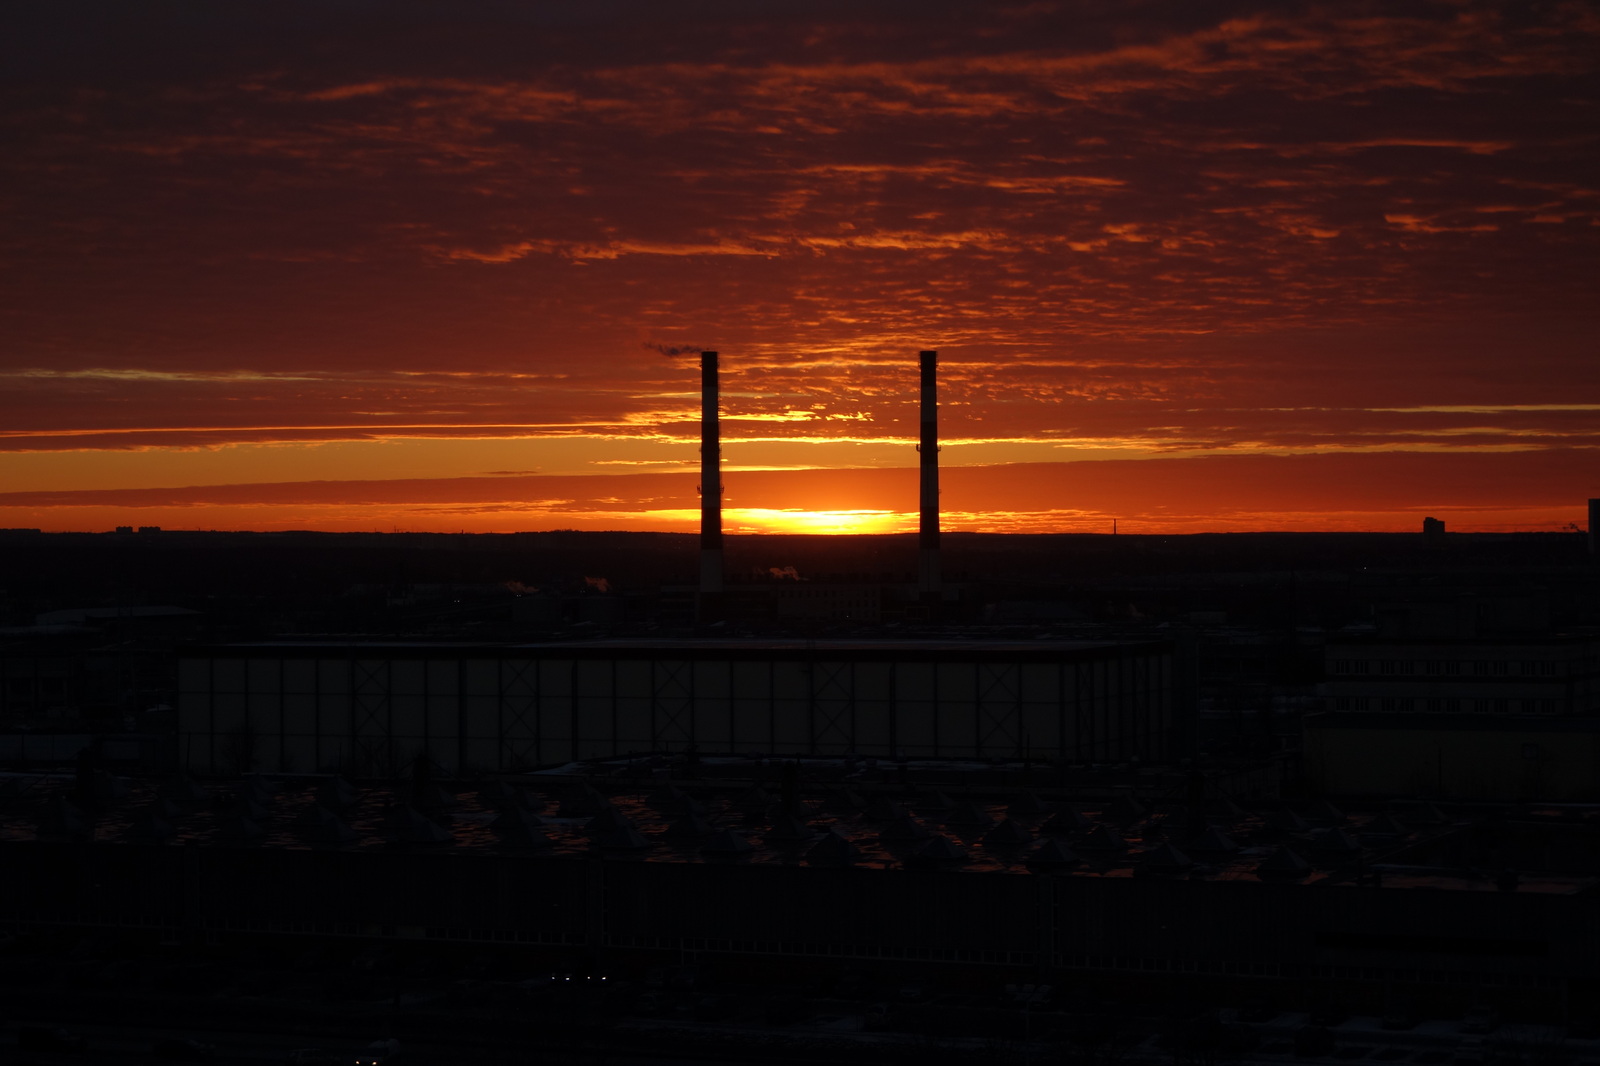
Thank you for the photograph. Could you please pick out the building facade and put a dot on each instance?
(1546, 675)
(370, 709)
(1483, 757)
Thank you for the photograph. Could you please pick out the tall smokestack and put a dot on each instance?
(1594, 529)
(710, 490)
(928, 575)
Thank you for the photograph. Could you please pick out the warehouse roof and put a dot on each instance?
(864, 650)
(547, 814)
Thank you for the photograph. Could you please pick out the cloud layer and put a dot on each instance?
(1242, 229)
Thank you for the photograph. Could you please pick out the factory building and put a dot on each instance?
(370, 709)
(1470, 718)
(1467, 693)
(1529, 674)
(1493, 757)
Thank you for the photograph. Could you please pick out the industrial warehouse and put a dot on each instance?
(369, 710)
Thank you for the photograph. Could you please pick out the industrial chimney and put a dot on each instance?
(710, 492)
(928, 575)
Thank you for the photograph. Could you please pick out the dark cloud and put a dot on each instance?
(1139, 222)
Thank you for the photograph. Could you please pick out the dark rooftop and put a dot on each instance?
(630, 811)
(704, 646)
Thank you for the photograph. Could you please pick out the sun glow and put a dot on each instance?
(771, 520)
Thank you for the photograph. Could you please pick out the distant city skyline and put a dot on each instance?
(1214, 267)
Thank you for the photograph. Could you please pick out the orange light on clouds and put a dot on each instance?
(381, 284)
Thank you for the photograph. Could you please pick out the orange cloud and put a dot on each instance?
(1233, 230)
(1364, 490)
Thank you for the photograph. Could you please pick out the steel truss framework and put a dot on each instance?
(371, 710)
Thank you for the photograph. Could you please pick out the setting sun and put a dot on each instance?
(769, 520)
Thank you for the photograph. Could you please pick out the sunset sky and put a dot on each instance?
(353, 265)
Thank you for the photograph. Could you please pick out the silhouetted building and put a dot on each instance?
(44, 671)
(809, 600)
(1460, 695)
(1408, 902)
(92, 662)
(1544, 675)
(1255, 684)
(369, 708)
(176, 623)
(1479, 757)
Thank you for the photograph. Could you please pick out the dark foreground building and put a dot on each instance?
(956, 883)
(369, 709)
